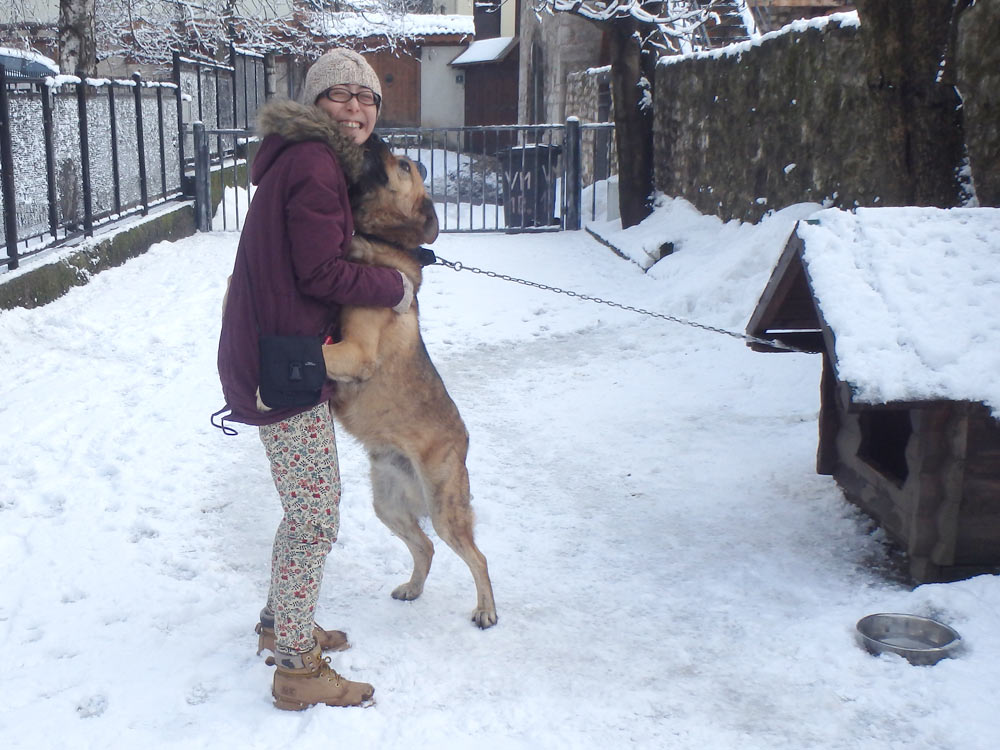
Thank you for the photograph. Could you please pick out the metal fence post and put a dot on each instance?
(268, 75)
(185, 185)
(48, 129)
(116, 179)
(140, 136)
(202, 188)
(163, 145)
(246, 95)
(7, 167)
(232, 64)
(218, 99)
(197, 70)
(257, 66)
(574, 176)
(81, 109)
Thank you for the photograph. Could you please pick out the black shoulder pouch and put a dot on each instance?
(292, 371)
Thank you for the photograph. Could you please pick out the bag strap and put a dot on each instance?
(226, 429)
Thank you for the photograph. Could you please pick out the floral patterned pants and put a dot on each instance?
(303, 455)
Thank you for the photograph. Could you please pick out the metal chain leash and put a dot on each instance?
(458, 266)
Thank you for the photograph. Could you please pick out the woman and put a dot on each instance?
(291, 278)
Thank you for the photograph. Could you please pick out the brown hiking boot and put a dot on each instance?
(304, 680)
(327, 640)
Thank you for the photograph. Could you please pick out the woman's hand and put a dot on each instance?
(404, 304)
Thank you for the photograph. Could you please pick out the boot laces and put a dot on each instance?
(325, 666)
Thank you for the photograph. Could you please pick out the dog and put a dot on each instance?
(389, 395)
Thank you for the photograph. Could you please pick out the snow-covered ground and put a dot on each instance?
(670, 571)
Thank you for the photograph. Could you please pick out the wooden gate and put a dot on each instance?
(400, 79)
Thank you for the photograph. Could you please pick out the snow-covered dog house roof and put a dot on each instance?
(904, 303)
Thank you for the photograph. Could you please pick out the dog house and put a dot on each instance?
(904, 305)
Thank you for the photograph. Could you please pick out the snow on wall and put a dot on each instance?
(738, 48)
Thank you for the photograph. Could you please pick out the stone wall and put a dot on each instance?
(583, 101)
(752, 128)
(979, 86)
(582, 92)
(788, 121)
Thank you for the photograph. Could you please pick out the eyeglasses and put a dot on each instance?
(341, 95)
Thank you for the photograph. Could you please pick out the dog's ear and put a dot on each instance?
(430, 220)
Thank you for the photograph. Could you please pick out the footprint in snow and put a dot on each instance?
(92, 706)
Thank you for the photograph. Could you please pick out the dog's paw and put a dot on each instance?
(407, 592)
(485, 618)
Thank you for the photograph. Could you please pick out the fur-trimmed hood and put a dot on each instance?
(294, 123)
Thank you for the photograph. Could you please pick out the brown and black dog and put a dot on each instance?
(389, 395)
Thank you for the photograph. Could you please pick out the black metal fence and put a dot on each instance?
(513, 178)
(221, 96)
(78, 153)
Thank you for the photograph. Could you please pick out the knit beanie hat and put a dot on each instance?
(338, 66)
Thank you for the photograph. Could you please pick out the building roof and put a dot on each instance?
(411, 25)
(486, 51)
(907, 300)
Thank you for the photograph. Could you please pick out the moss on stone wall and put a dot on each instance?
(52, 280)
(782, 123)
(796, 119)
(979, 86)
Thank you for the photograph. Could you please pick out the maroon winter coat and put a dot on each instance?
(290, 276)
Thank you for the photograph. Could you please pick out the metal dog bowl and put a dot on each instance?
(919, 640)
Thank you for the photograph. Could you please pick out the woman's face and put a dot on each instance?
(354, 117)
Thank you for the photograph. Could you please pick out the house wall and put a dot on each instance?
(508, 19)
(794, 119)
(566, 44)
(264, 9)
(454, 7)
(442, 95)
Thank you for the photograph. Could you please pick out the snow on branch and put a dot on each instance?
(149, 30)
(666, 26)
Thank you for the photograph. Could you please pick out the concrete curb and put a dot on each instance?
(45, 283)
